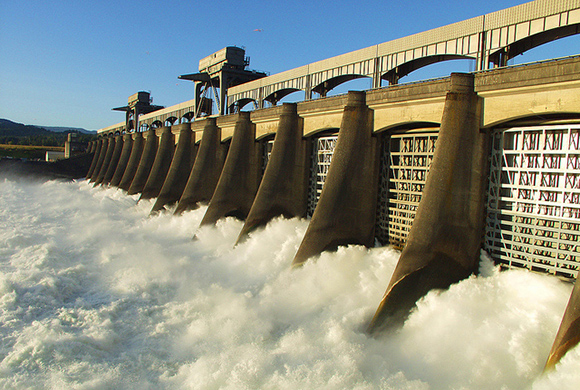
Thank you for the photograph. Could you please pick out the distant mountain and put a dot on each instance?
(63, 129)
(13, 133)
(10, 128)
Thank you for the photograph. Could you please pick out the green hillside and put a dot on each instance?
(12, 133)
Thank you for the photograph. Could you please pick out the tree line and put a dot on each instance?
(12, 133)
(54, 139)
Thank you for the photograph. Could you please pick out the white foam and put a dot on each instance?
(94, 293)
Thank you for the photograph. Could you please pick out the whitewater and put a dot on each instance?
(95, 294)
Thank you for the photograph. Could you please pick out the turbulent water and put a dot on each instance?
(94, 294)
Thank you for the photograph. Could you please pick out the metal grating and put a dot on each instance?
(405, 162)
(322, 150)
(533, 208)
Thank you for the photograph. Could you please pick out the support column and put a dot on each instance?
(123, 159)
(178, 171)
(98, 147)
(482, 60)
(240, 177)
(133, 163)
(223, 89)
(393, 77)
(377, 73)
(198, 98)
(568, 335)
(114, 160)
(206, 169)
(444, 242)
(284, 187)
(106, 161)
(91, 147)
(160, 165)
(308, 89)
(346, 211)
(102, 154)
(136, 118)
(145, 163)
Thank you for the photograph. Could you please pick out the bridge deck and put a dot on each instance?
(489, 39)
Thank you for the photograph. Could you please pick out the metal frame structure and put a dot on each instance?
(220, 71)
(138, 103)
(405, 161)
(533, 208)
(322, 151)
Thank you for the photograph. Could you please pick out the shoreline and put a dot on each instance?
(72, 168)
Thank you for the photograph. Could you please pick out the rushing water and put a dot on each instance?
(94, 294)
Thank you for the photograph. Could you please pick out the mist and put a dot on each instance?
(96, 294)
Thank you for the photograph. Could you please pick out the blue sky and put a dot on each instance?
(67, 63)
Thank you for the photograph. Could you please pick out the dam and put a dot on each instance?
(441, 168)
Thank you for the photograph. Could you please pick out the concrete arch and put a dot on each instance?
(266, 137)
(534, 120)
(170, 121)
(393, 75)
(322, 132)
(187, 117)
(241, 104)
(502, 55)
(156, 124)
(280, 94)
(407, 126)
(327, 85)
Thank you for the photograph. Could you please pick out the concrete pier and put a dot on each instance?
(240, 177)
(98, 144)
(346, 211)
(101, 158)
(133, 163)
(123, 160)
(106, 161)
(178, 171)
(445, 240)
(288, 160)
(145, 163)
(160, 165)
(568, 334)
(114, 160)
(206, 169)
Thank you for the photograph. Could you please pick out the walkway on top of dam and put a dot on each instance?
(491, 40)
(541, 88)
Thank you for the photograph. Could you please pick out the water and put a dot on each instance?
(94, 294)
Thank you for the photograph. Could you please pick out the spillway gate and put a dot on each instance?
(533, 205)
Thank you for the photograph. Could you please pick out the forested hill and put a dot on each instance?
(13, 133)
(9, 128)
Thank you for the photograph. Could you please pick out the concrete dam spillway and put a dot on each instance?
(449, 207)
(441, 169)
